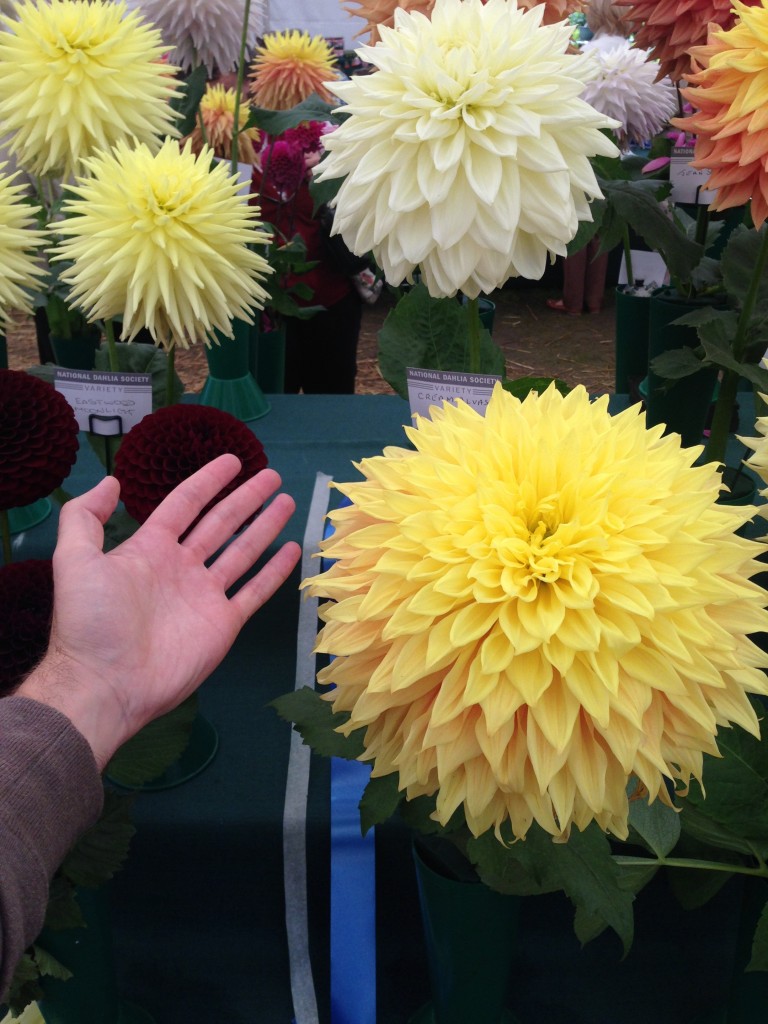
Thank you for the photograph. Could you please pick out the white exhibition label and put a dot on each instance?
(433, 387)
(688, 183)
(106, 403)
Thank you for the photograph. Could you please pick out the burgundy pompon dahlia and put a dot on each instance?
(26, 597)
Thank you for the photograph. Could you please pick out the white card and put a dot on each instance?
(688, 183)
(108, 404)
(432, 387)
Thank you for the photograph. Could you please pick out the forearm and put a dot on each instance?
(50, 792)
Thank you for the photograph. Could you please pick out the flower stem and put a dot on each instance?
(109, 330)
(5, 531)
(692, 864)
(473, 307)
(721, 421)
(240, 79)
(628, 258)
(170, 367)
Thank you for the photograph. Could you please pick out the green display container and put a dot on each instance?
(77, 353)
(267, 360)
(631, 341)
(470, 932)
(230, 385)
(3, 353)
(682, 407)
(90, 996)
(21, 519)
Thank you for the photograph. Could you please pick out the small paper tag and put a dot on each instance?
(432, 387)
(688, 183)
(108, 404)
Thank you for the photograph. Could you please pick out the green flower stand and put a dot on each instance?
(21, 519)
(631, 341)
(90, 996)
(230, 385)
(267, 360)
(470, 932)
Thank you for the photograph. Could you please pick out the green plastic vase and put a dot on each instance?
(267, 360)
(683, 407)
(77, 352)
(470, 933)
(631, 341)
(90, 996)
(230, 385)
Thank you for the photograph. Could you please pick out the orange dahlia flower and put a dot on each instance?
(289, 67)
(217, 112)
(729, 94)
(672, 27)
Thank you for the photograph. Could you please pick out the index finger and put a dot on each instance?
(183, 505)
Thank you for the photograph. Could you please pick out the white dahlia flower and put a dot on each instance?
(466, 153)
(625, 87)
(204, 31)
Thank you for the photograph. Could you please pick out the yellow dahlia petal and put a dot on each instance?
(466, 153)
(611, 640)
(162, 241)
(20, 243)
(76, 76)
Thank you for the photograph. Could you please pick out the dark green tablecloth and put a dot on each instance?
(198, 910)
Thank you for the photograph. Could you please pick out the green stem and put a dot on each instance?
(702, 223)
(109, 330)
(5, 530)
(201, 123)
(473, 307)
(718, 436)
(240, 79)
(693, 864)
(628, 258)
(61, 496)
(169, 374)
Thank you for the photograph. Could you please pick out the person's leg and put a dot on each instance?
(574, 271)
(293, 362)
(596, 270)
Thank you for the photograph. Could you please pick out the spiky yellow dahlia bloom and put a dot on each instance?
(75, 77)
(162, 240)
(466, 154)
(533, 607)
(290, 66)
(217, 111)
(204, 31)
(20, 246)
(730, 119)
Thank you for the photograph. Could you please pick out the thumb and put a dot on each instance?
(81, 520)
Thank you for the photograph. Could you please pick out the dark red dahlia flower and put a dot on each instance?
(38, 438)
(173, 443)
(26, 597)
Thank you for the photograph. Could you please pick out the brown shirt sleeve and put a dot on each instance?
(50, 792)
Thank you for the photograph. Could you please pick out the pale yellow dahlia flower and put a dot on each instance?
(20, 245)
(289, 67)
(466, 154)
(204, 31)
(75, 77)
(534, 607)
(163, 242)
(217, 112)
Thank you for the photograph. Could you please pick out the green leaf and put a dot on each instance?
(25, 985)
(417, 814)
(507, 866)
(693, 888)
(155, 747)
(315, 721)
(582, 867)
(379, 802)
(275, 122)
(431, 334)
(63, 910)
(186, 105)
(138, 357)
(521, 387)
(119, 527)
(657, 825)
(759, 959)
(677, 363)
(49, 966)
(699, 826)
(101, 851)
(738, 261)
(588, 228)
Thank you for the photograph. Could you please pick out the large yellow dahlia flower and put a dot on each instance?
(533, 607)
(20, 245)
(731, 119)
(75, 77)
(217, 112)
(163, 242)
(289, 67)
(467, 153)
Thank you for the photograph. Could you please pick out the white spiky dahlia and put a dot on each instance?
(625, 86)
(75, 77)
(466, 154)
(163, 241)
(204, 31)
(532, 607)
